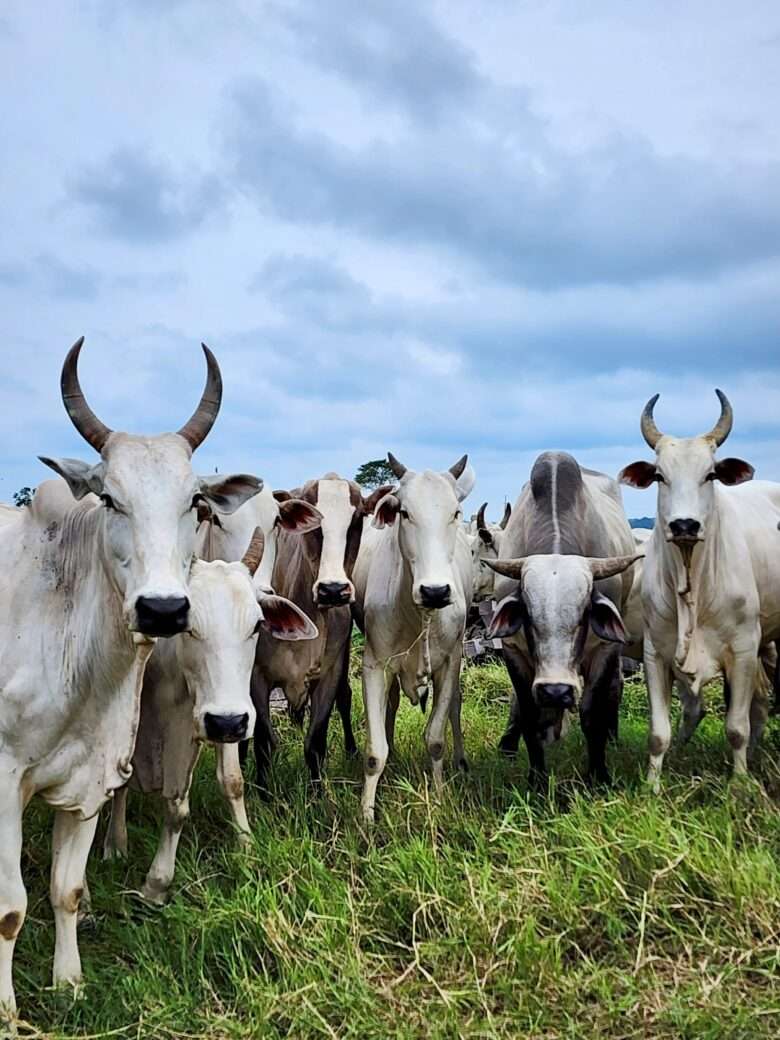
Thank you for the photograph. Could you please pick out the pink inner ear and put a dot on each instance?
(386, 510)
(606, 622)
(507, 619)
(733, 471)
(638, 475)
(297, 515)
(283, 620)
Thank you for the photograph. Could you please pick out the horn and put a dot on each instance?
(459, 466)
(254, 553)
(481, 515)
(197, 427)
(650, 431)
(611, 565)
(398, 468)
(81, 415)
(509, 568)
(722, 427)
(505, 518)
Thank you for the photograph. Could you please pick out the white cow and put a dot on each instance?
(413, 590)
(196, 690)
(711, 583)
(87, 586)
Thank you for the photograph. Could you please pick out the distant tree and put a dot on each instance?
(374, 473)
(23, 497)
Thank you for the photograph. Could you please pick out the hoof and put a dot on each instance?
(154, 893)
(462, 765)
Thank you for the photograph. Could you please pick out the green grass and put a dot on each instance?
(483, 913)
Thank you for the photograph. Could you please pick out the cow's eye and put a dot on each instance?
(197, 499)
(107, 501)
(712, 476)
(457, 515)
(658, 478)
(404, 514)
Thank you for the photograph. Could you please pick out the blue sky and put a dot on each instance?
(424, 227)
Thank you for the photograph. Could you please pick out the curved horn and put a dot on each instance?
(254, 553)
(611, 565)
(459, 466)
(650, 431)
(197, 427)
(481, 515)
(397, 467)
(81, 415)
(722, 427)
(509, 568)
(505, 517)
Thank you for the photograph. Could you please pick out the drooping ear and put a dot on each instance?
(464, 484)
(283, 620)
(82, 477)
(507, 619)
(733, 471)
(386, 511)
(605, 619)
(227, 492)
(370, 503)
(638, 475)
(298, 516)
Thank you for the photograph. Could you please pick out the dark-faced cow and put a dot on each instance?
(87, 586)
(569, 549)
(711, 582)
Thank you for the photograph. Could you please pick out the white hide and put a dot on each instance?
(407, 647)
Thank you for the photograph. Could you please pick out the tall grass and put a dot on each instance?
(481, 913)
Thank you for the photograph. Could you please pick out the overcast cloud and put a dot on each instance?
(430, 227)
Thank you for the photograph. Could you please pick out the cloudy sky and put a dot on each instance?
(429, 227)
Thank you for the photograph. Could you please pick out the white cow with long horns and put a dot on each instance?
(88, 585)
(711, 580)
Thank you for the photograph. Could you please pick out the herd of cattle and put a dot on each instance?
(259, 590)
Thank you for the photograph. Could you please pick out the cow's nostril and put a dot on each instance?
(435, 596)
(225, 729)
(332, 593)
(559, 695)
(685, 528)
(162, 615)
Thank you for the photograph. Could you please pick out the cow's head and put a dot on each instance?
(426, 507)
(224, 537)
(557, 604)
(332, 549)
(485, 541)
(217, 654)
(685, 470)
(149, 495)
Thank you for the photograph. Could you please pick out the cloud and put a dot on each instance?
(138, 199)
(496, 193)
(49, 275)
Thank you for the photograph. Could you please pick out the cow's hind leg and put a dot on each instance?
(115, 840)
(13, 898)
(393, 700)
(742, 679)
(158, 881)
(265, 739)
(71, 842)
(231, 783)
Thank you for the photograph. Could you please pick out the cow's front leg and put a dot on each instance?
(599, 714)
(115, 840)
(71, 841)
(231, 783)
(459, 759)
(344, 705)
(158, 881)
(375, 701)
(436, 730)
(315, 744)
(693, 712)
(265, 739)
(742, 677)
(393, 700)
(13, 897)
(658, 676)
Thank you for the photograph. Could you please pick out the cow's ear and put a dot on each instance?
(370, 501)
(82, 477)
(226, 493)
(605, 619)
(283, 620)
(638, 475)
(281, 496)
(298, 516)
(485, 536)
(733, 471)
(508, 618)
(386, 511)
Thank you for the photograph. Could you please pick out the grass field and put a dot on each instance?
(484, 913)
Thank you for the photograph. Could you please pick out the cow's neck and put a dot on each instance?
(691, 577)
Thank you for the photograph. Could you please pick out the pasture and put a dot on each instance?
(485, 913)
